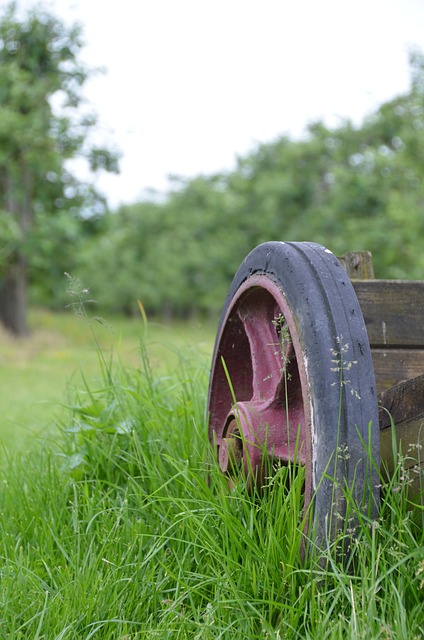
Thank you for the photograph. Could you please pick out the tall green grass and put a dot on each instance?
(124, 528)
(35, 372)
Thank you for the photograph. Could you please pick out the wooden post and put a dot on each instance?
(358, 265)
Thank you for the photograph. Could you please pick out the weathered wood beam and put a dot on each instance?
(403, 407)
(393, 312)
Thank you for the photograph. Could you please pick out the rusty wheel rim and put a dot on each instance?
(260, 364)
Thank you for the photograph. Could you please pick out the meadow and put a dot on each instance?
(117, 524)
(39, 373)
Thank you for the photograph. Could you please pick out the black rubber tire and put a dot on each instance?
(343, 401)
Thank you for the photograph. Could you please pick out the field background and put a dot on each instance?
(39, 373)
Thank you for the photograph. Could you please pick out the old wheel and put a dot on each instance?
(292, 379)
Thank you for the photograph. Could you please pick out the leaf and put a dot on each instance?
(125, 426)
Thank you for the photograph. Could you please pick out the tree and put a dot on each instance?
(39, 68)
(349, 188)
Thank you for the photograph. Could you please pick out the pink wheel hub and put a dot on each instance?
(259, 401)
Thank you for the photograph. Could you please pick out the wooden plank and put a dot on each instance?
(409, 436)
(404, 405)
(402, 402)
(410, 460)
(392, 366)
(393, 311)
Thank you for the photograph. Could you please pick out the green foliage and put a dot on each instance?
(43, 123)
(347, 188)
(11, 236)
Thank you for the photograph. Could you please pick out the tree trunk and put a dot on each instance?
(13, 285)
(13, 306)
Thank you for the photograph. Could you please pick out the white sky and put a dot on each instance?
(191, 84)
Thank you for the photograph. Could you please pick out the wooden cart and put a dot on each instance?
(314, 361)
(393, 312)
